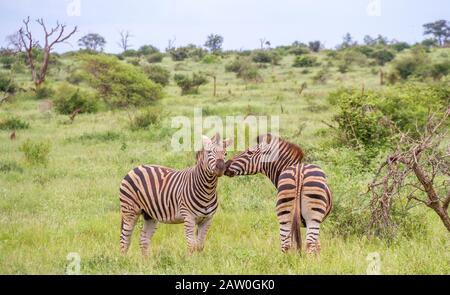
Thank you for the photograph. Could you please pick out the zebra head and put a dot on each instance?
(214, 151)
(252, 160)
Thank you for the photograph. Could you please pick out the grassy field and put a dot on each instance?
(72, 205)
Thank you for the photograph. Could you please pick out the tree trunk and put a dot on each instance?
(434, 201)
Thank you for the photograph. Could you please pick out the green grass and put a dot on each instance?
(72, 205)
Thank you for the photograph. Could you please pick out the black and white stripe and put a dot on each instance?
(167, 195)
(303, 194)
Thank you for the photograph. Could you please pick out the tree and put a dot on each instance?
(347, 41)
(417, 170)
(30, 44)
(440, 29)
(315, 46)
(14, 42)
(124, 39)
(263, 42)
(214, 43)
(92, 42)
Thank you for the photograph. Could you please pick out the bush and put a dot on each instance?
(142, 120)
(189, 85)
(155, 57)
(147, 50)
(263, 56)
(7, 61)
(76, 77)
(6, 85)
(13, 123)
(44, 92)
(298, 50)
(36, 153)
(120, 84)
(440, 70)
(366, 118)
(305, 61)
(69, 99)
(157, 74)
(382, 56)
(179, 54)
(400, 46)
(359, 121)
(413, 64)
(210, 59)
(244, 69)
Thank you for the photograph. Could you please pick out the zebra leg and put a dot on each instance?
(129, 219)
(203, 227)
(189, 228)
(312, 236)
(147, 232)
(285, 232)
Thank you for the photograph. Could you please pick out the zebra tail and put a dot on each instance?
(296, 220)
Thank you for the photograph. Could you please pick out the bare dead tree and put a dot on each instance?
(417, 170)
(14, 42)
(171, 44)
(29, 42)
(124, 39)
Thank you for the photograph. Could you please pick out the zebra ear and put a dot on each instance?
(227, 142)
(216, 138)
(206, 141)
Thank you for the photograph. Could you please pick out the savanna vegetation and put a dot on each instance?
(67, 141)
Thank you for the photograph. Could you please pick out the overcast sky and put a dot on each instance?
(240, 22)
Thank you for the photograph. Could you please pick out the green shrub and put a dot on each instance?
(244, 69)
(439, 70)
(189, 85)
(367, 118)
(179, 54)
(69, 99)
(298, 50)
(147, 50)
(36, 153)
(382, 56)
(44, 92)
(264, 56)
(305, 61)
(360, 122)
(155, 57)
(76, 77)
(145, 118)
(157, 74)
(210, 59)
(120, 84)
(6, 85)
(414, 64)
(134, 61)
(13, 123)
(7, 61)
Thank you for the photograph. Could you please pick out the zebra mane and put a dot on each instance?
(198, 155)
(296, 151)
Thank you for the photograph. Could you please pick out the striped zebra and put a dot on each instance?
(167, 195)
(303, 194)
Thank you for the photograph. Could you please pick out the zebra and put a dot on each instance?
(303, 194)
(172, 196)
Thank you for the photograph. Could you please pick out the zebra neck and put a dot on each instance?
(273, 169)
(204, 182)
